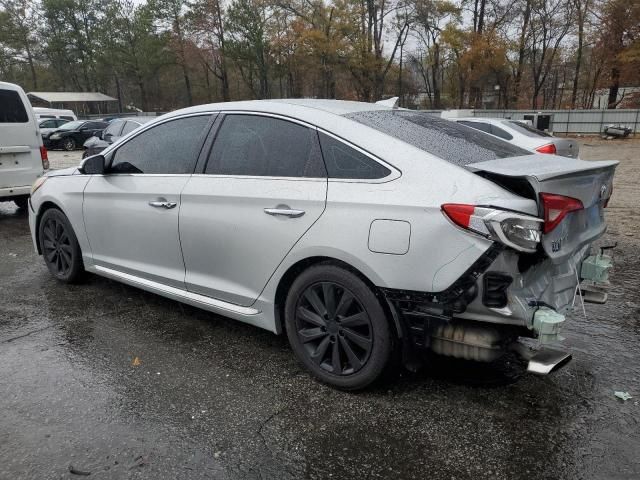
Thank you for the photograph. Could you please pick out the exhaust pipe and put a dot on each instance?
(543, 361)
(548, 360)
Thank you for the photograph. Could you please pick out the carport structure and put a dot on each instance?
(79, 102)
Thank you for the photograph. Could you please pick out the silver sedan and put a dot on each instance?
(364, 233)
(523, 135)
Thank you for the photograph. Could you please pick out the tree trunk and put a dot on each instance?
(118, 93)
(521, 51)
(612, 102)
(435, 71)
(576, 75)
(224, 77)
(32, 68)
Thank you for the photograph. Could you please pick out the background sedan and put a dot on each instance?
(522, 135)
(73, 134)
(117, 128)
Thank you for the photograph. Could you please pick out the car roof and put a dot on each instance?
(10, 86)
(296, 107)
(325, 114)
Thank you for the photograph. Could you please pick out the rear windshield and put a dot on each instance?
(11, 107)
(454, 143)
(527, 130)
(72, 125)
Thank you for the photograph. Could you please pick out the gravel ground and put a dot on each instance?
(107, 379)
(63, 159)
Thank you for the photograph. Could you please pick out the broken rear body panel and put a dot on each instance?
(516, 294)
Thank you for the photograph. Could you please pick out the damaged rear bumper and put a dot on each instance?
(501, 298)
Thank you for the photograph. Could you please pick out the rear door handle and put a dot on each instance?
(163, 204)
(284, 211)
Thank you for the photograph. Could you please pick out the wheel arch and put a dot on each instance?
(47, 205)
(289, 276)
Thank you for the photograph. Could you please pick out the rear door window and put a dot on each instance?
(483, 127)
(445, 139)
(129, 127)
(49, 124)
(94, 125)
(256, 145)
(527, 130)
(113, 130)
(169, 148)
(11, 107)
(343, 161)
(499, 132)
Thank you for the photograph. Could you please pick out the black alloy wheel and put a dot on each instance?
(59, 246)
(338, 328)
(334, 328)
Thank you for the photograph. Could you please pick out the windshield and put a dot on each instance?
(448, 140)
(71, 125)
(527, 130)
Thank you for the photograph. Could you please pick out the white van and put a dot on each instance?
(23, 158)
(42, 113)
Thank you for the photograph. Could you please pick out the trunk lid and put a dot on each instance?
(589, 182)
(566, 147)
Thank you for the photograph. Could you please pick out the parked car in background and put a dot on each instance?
(116, 129)
(522, 135)
(48, 125)
(42, 112)
(72, 135)
(23, 158)
(363, 232)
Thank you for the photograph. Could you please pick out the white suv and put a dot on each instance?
(23, 158)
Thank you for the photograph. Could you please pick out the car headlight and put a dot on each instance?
(37, 184)
(55, 136)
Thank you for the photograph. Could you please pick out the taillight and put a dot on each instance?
(44, 157)
(518, 231)
(549, 148)
(556, 208)
(459, 214)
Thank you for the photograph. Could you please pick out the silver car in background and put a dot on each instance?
(364, 233)
(523, 135)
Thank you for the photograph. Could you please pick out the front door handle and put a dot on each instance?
(284, 211)
(163, 204)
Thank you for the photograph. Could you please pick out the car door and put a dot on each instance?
(131, 212)
(113, 131)
(263, 186)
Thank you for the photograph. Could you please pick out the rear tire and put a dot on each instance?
(59, 246)
(337, 327)
(22, 202)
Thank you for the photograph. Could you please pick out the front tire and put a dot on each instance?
(60, 247)
(69, 144)
(337, 327)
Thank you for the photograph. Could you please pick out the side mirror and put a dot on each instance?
(93, 165)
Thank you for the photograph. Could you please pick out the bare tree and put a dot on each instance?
(550, 23)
